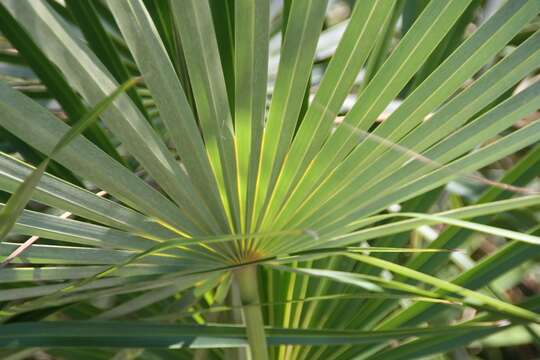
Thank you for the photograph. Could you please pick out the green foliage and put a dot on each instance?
(216, 209)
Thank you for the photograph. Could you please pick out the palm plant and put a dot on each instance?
(236, 204)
